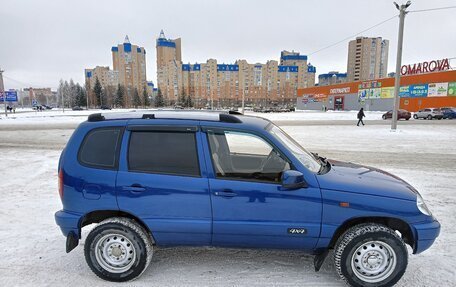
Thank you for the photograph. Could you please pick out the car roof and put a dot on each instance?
(203, 117)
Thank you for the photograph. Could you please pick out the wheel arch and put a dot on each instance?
(99, 215)
(394, 223)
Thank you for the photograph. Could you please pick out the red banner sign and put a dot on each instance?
(426, 67)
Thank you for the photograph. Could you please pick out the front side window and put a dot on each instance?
(305, 157)
(163, 152)
(244, 156)
(100, 148)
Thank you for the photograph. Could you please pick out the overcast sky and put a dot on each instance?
(44, 41)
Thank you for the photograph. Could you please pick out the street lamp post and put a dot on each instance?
(402, 12)
(2, 91)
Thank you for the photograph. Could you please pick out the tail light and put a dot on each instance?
(61, 183)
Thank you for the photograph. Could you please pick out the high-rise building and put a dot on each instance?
(169, 66)
(130, 63)
(367, 59)
(223, 85)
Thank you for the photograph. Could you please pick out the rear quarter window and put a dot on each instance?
(163, 152)
(100, 148)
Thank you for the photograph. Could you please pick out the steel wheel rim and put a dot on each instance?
(373, 261)
(115, 253)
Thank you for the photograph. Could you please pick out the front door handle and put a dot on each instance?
(134, 188)
(225, 193)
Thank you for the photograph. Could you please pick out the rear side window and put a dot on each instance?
(163, 152)
(100, 148)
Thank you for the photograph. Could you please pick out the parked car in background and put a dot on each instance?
(448, 113)
(105, 107)
(228, 180)
(77, 108)
(401, 114)
(429, 113)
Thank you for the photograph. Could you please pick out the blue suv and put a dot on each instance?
(174, 178)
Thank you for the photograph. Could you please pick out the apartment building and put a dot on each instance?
(222, 85)
(367, 59)
(331, 78)
(109, 79)
(130, 63)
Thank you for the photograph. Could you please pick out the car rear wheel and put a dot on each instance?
(415, 116)
(370, 255)
(118, 249)
(384, 117)
(429, 117)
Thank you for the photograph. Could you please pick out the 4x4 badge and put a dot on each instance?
(297, 231)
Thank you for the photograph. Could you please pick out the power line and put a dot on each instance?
(378, 24)
(433, 9)
(350, 37)
(24, 84)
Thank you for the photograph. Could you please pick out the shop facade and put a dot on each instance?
(418, 91)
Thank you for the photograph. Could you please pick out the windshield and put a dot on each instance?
(305, 157)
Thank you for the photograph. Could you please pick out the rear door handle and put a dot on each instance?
(225, 193)
(134, 188)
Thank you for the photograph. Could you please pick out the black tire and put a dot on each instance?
(429, 117)
(127, 238)
(384, 117)
(415, 116)
(375, 235)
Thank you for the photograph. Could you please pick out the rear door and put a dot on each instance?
(161, 181)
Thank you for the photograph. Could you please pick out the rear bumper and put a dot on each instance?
(68, 222)
(426, 234)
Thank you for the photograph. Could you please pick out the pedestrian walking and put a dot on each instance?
(361, 115)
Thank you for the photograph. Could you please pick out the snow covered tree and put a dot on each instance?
(81, 99)
(60, 94)
(182, 100)
(98, 91)
(146, 100)
(66, 94)
(136, 98)
(188, 102)
(159, 101)
(119, 100)
(72, 93)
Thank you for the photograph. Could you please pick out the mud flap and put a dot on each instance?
(319, 259)
(71, 242)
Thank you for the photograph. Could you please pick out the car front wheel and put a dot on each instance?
(415, 116)
(118, 249)
(370, 255)
(429, 117)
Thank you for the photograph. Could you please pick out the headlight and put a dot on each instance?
(422, 206)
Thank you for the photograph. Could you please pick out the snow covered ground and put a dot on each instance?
(33, 249)
(28, 116)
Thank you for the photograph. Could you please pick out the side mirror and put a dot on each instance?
(293, 179)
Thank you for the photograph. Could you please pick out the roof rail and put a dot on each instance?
(95, 117)
(163, 114)
(229, 118)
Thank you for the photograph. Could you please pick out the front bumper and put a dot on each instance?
(68, 222)
(426, 233)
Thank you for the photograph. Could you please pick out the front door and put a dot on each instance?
(160, 181)
(339, 103)
(250, 207)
